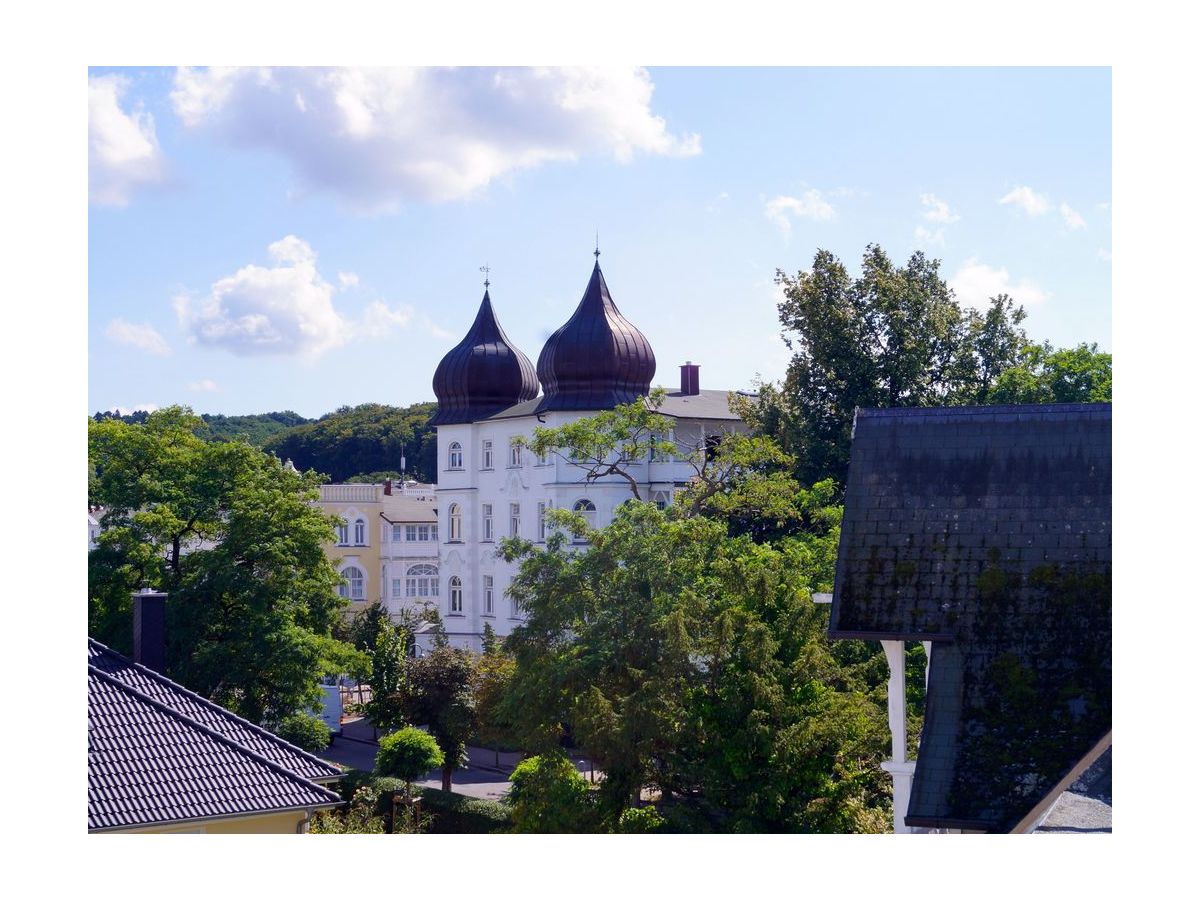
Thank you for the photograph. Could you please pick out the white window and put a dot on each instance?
(433, 532)
(397, 587)
(543, 459)
(455, 460)
(421, 581)
(398, 533)
(353, 586)
(514, 608)
(587, 509)
(343, 534)
(541, 534)
(410, 532)
(455, 522)
(661, 499)
(514, 520)
(360, 533)
(486, 455)
(487, 521)
(487, 595)
(456, 600)
(514, 456)
(420, 532)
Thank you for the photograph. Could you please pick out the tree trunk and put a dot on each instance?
(447, 771)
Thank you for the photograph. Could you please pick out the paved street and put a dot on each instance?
(486, 774)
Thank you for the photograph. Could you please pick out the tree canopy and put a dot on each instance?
(235, 540)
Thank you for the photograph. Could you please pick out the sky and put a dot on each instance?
(307, 239)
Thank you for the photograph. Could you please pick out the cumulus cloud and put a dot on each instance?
(142, 336)
(203, 386)
(976, 283)
(811, 205)
(937, 210)
(1027, 199)
(286, 309)
(928, 238)
(347, 280)
(378, 137)
(123, 151)
(1071, 219)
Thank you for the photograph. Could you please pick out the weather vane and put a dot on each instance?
(486, 270)
(597, 252)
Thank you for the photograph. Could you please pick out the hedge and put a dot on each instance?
(458, 814)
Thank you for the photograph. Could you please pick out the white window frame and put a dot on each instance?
(353, 587)
(421, 581)
(587, 508)
(514, 456)
(454, 456)
(514, 520)
(456, 596)
(488, 594)
(455, 514)
(343, 534)
(541, 511)
(360, 533)
(486, 456)
(487, 522)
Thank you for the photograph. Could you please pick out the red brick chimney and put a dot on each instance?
(387, 486)
(689, 379)
(150, 630)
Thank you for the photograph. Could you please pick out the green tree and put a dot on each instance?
(360, 816)
(305, 731)
(1044, 375)
(407, 754)
(235, 540)
(894, 336)
(549, 796)
(438, 693)
(387, 678)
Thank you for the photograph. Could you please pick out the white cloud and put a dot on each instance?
(123, 151)
(129, 410)
(381, 136)
(1071, 219)
(286, 310)
(204, 386)
(1028, 199)
(976, 283)
(347, 280)
(142, 336)
(937, 210)
(928, 238)
(811, 205)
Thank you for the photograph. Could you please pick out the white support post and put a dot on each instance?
(898, 766)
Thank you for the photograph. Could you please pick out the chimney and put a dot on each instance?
(150, 629)
(387, 487)
(689, 379)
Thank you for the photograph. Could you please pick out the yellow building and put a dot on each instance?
(386, 548)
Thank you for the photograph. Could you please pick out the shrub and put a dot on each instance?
(645, 820)
(549, 796)
(305, 731)
(359, 818)
(458, 814)
(407, 754)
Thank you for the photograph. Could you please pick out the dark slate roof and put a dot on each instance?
(483, 374)
(151, 764)
(210, 715)
(598, 359)
(1086, 806)
(989, 531)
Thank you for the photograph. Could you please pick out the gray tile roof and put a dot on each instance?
(210, 715)
(989, 531)
(149, 763)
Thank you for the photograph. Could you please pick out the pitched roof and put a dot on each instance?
(989, 531)
(151, 763)
(210, 715)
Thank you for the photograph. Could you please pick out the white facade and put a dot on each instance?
(479, 504)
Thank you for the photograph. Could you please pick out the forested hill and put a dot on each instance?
(362, 442)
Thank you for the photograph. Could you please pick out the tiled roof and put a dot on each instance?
(989, 531)
(210, 715)
(149, 763)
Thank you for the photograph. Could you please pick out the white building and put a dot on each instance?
(488, 395)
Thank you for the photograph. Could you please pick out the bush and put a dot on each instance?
(645, 820)
(361, 817)
(305, 731)
(549, 796)
(457, 814)
(407, 754)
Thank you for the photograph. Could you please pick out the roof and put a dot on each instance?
(705, 405)
(158, 754)
(1086, 806)
(398, 508)
(987, 530)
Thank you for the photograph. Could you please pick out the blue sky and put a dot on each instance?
(308, 239)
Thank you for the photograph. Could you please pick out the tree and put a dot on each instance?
(360, 817)
(549, 796)
(387, 678)
(407, 754)
(1044, 375)
(891, 337)
(438, 693)
(305, 731)
(235, 540)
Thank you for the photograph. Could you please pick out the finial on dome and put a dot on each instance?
(486, 270)
(597, 253)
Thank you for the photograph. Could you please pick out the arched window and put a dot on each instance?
(455, 514)
(353, 584)
(360, 532)
(587, 509)
(456, 456)
(661, 499)
(456, 600)
(421, 581)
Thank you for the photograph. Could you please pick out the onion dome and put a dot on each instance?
(598, 359)
(484, 374)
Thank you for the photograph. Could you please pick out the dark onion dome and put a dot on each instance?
(598, 359)
(484, 374)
